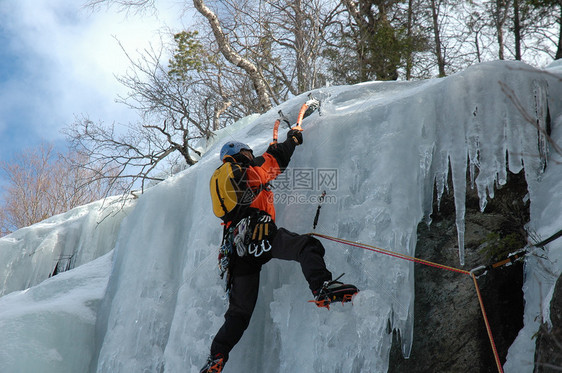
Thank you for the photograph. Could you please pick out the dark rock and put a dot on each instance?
(449, 331)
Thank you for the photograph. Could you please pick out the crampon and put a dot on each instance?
(334, 291)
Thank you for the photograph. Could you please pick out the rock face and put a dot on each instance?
(548, 354)
(449, 330)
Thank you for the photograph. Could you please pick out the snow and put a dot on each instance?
(145, 295)
(61, 309)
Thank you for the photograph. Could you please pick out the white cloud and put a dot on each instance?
(68, 58)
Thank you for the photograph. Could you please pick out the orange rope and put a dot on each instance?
(391, 253)
(431, 264)
(488, 329)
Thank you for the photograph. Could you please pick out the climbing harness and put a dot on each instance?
(431, 264)
(253, 234)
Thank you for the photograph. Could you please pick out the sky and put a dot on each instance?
(59, 59)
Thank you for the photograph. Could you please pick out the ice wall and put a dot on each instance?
(542, 269)
(48, 324)
(389, 142)
(30, 255)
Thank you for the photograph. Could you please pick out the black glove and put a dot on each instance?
(295, 135)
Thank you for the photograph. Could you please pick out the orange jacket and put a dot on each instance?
(261, 175)
(265, 168)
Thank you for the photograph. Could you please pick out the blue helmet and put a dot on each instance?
(233, 147)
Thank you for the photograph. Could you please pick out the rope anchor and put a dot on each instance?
(515, 256)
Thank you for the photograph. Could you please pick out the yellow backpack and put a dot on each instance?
(230, 193)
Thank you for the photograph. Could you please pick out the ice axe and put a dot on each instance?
(282, 118)
(306, 109)
(320, 200)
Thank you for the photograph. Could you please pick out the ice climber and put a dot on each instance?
(256, 239)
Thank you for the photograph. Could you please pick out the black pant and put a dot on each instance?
(305, 249)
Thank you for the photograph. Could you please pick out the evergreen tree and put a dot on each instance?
(379, 39)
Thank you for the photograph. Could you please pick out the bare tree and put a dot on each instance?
(476, 26)
(409, 35)
(552, 10)
(171, 120)
(435, 10)
(125, 5)
(234, 57)
(530, 26)
(41, 183)
(284, 40)
(220, 92)
(517, 29)
(131, 157)
(499, 10)
(296, 31)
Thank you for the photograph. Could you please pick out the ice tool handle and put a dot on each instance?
(306, 109)
(312, 104)
(282, 118)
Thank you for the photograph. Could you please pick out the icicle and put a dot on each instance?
(460, 237)
(540, 112)
(441, 176)
(458, 169)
